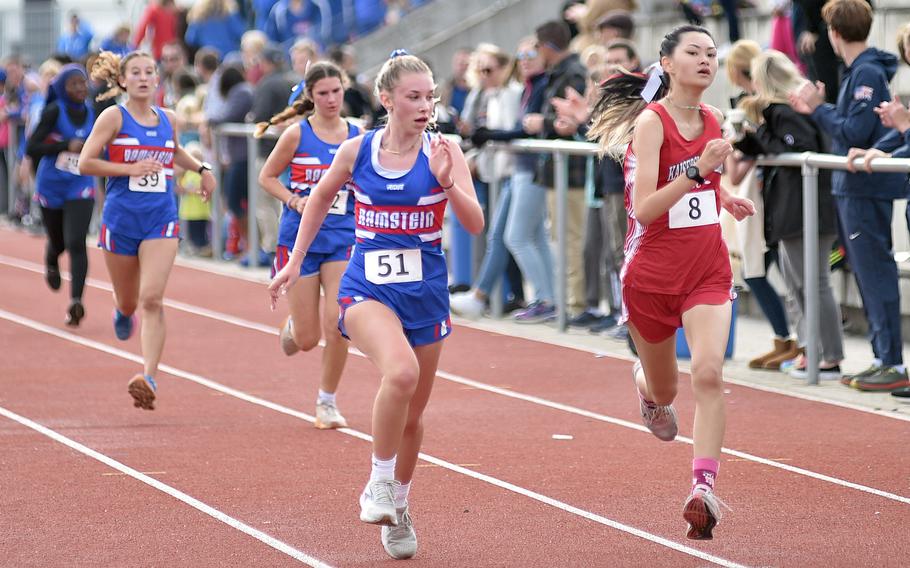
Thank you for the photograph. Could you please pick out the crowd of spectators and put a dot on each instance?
(224, 62)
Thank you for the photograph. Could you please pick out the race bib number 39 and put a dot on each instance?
(340, 204)
(393, 266)
(695, 209)
(68, 162)
(150, 183)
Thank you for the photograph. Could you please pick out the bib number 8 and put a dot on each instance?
(393, 266)
(149, 183)
(694, 210)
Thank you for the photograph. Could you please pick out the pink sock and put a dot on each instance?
(704, 472)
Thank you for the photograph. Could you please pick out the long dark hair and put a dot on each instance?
(620, 101)
(303, 105)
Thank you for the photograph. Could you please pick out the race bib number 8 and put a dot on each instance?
(340, 205)
(149, 183)
(694, 210)
(393, 266)
(68, 162)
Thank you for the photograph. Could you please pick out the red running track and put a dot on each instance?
(810, 484)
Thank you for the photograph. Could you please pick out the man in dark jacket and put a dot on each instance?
(864, 201)
(564, 70)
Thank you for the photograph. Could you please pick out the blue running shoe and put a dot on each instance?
(142, 388)
(123, 325)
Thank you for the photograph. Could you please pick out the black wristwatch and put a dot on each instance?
(205, 166)
(693, 174)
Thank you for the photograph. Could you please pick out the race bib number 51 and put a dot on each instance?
(695, 209)
(393, 266)
(149, 183)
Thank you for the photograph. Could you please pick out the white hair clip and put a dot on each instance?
(655, 80)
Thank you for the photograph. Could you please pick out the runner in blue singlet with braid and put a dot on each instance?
(308, 147)
(139, 223)
(393, 294)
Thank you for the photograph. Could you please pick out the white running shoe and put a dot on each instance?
(377, 503)
(400, 541)
(286, 338)
(328, 417)
(660, 420)
(702, 512)
(466, 304)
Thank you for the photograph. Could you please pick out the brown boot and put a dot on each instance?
(780, 346)
(791, 353)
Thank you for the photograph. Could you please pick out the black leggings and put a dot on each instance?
(67, 229)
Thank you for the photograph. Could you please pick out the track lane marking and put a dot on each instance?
(508, 392)
(37, 268)
(208, 383)
(271, 541)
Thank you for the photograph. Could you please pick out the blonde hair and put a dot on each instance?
(903, 35)
(303, 104)
(205, 9)
(49, 69)
(473, 74)
(774, 77)
(253, 40)
(394, 67)
(110, 68)
(740, 57)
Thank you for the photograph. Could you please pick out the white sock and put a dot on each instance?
(401, 495)
(877, 362)
(326, 397)
(382, 469)
(900, 368)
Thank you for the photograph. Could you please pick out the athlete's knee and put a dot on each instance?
(402, 379)
(707, 377)
(151, 302)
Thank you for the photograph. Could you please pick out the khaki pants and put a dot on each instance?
(575, 231)
(268, 211)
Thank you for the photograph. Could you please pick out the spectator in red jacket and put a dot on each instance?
(161, 16)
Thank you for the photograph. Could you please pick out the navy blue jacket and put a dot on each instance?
(852, 123)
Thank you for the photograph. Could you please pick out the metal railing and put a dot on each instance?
(809, 162)
(252, 149)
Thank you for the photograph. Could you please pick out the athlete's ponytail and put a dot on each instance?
(624, 95)
(110, 68)
(303, 105)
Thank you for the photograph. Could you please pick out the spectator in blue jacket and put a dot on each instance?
(262, 8)
(215, 24)
(77, 40)
(293, 19)
(119, 41)
(864, 201)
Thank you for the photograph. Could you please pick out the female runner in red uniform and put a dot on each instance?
(677, 268)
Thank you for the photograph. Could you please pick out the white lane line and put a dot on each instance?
(208, 383)
(189, 308)
(218, 316)
(164, 488)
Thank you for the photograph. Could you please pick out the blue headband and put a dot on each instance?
(399, 53)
